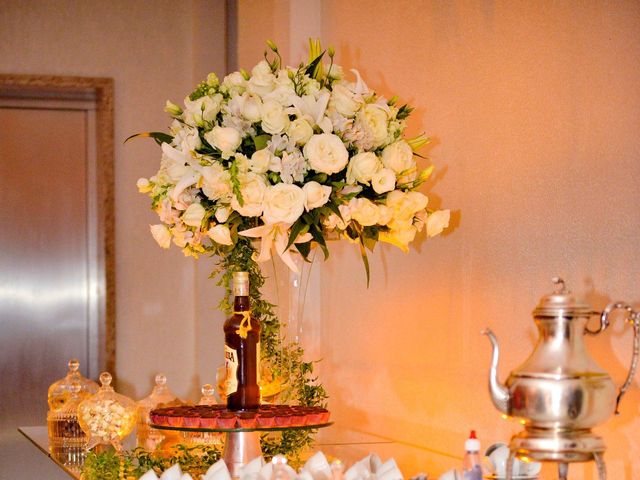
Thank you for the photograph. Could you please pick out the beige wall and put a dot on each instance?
(154, 51)
(534, 110)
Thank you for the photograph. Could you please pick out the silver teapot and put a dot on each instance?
(559, 393)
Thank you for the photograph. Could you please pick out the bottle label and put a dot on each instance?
(231, 365)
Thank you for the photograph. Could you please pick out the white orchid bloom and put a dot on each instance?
(275, 236)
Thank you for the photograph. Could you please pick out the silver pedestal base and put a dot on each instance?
(563, 447)
(239, 449)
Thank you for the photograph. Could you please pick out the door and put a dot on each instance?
(50, 264)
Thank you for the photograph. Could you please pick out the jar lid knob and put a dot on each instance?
(161, 380)
(105, 379)
(73, 365)
(208, 390)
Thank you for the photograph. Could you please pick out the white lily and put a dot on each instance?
(360, 87)
(308, 105)
(275, 236)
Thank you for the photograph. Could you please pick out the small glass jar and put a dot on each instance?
(107, 417)
(60, 391)
(160, 396)
(67, 440)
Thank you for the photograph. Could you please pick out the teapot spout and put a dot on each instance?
(499, 392)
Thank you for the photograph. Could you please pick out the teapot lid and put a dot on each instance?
(561, 302)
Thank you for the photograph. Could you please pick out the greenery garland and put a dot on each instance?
(284, 360)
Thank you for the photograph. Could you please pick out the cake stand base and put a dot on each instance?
(239, 449)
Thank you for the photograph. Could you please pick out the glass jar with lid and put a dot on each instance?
(67, 440)
(60, 390)
(160, 396)
(107, 417)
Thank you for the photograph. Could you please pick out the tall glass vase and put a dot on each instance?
(298, 301)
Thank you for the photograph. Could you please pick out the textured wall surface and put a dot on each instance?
(534, 110)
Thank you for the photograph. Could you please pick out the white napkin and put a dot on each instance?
(389, 471)
(186, 476)
(217, 471)
(318, 467)
(150, 475)
(172, 473)
(251, 470)
(358, 471)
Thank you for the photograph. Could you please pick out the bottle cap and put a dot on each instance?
(472, 444)
(240, 284)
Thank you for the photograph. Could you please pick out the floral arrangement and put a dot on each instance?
(289, 156)
(285, 158)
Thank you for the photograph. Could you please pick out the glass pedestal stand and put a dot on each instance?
(241, 445)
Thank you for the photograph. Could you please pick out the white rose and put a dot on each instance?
(260, 160)
(416, 201)
(222, 214)
(386, 214)
(187, 139)
(220, 234)
(216, 181)
(299, 131)
(262, 80)
(343, 101)
(362, 167)
(383, 181)
(373, 118)
(399, 237)
(364, 211)
(283, 203)
(326, 153)
(193, 215)
(405, 205)
(234, 83)
(274, 118)
(225, 139)
(161, 235)
(201, 110)
(252, 189)
(437, 222)
(398, 157)
(315, 195)
(251, 107)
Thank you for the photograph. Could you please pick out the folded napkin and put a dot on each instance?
(251, 471)
(318, 467)
(389, 471)
(172, 473)
(150, 475)
(217, 471)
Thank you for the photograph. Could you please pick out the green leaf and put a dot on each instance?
(304, 249)
(159, 137)
(334, 208)
(260, 141)
(312, 68)
(296, 229)
(317, 236)
(365, 260)
(403, 112)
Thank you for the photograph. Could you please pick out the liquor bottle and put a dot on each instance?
(242, 349)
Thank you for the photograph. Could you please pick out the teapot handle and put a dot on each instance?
(633, 317)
